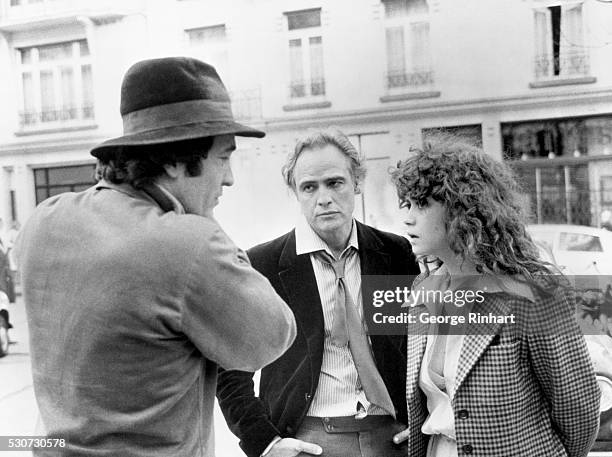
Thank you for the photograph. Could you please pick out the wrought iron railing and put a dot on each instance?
(312, 88)
(562, 66)
(414, 79)
(246, 104)
(66, 114)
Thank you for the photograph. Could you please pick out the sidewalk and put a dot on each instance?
(18, 410)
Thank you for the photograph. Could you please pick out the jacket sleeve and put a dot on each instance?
(231, 312)
(245, 414)
(563, 368)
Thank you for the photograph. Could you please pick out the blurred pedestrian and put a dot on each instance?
(6, 278)
(6, 290)
(497, 389)
(134, 293)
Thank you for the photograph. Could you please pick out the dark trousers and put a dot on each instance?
(349, 437)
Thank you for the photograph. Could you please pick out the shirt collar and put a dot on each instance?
(307, 240)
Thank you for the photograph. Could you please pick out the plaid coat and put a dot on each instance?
(526, 389)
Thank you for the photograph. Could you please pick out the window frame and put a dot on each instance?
(568, 59)
(422, 76)
(306, 34)
(215, 51)
(47, 187)
(62, 117)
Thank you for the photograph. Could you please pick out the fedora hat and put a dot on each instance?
(173, 99)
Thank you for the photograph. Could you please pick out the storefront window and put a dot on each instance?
(56, 180)
(471, 133)
(558, 137)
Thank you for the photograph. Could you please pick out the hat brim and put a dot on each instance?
(174, 134)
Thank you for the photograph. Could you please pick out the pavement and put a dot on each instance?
(18, 410)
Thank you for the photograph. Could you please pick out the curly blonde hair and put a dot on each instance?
(485, 214)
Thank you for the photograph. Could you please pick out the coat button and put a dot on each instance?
(290, 430)
(463, 414)
(307, 396)
(467, 448)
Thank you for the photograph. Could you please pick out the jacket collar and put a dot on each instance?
(373, 261)
(153, 192)
(476, 339)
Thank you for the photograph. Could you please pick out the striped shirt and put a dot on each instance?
(339, 391)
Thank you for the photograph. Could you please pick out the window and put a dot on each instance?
(56, 83)
(307, 78)
(559, 42)
(579, 242)
(210, 45)
(23, 2)
(572, 137)
(408, 47)
(469, 133)
(56, 180)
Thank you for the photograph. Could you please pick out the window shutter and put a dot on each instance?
(543, 43)
(396, 63)
(316, 66)
(419, 46)
(572, 45)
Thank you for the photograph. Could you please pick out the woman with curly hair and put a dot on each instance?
(518, 381)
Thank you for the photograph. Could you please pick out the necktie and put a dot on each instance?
(339, 332)
(347, 327)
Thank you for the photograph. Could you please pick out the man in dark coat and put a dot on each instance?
(336, 390)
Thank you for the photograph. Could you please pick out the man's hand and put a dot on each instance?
(290, 447)
(401, 436)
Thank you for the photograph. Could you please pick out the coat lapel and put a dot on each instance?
(417, 341)
(373, 261)
(477, 338)
(299, 283)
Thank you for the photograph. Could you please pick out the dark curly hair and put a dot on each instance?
(485, 217)
(139, 166)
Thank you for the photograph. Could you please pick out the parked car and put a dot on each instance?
(577, 249)
(576, 245)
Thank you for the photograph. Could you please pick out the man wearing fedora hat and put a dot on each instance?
(134, 293)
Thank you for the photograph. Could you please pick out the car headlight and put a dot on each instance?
(605, 385)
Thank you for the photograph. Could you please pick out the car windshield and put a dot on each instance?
(579, 242)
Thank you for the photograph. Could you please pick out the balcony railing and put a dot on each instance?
(246, 104)
(25, 10)
(411, 80)
(312, 88)
(29, 119)
(570, 65)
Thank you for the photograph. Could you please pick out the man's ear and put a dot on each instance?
(357, 187)
(174, 170)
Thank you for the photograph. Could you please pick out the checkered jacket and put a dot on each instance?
(526, 389)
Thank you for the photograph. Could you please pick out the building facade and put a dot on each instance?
(528, 79)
